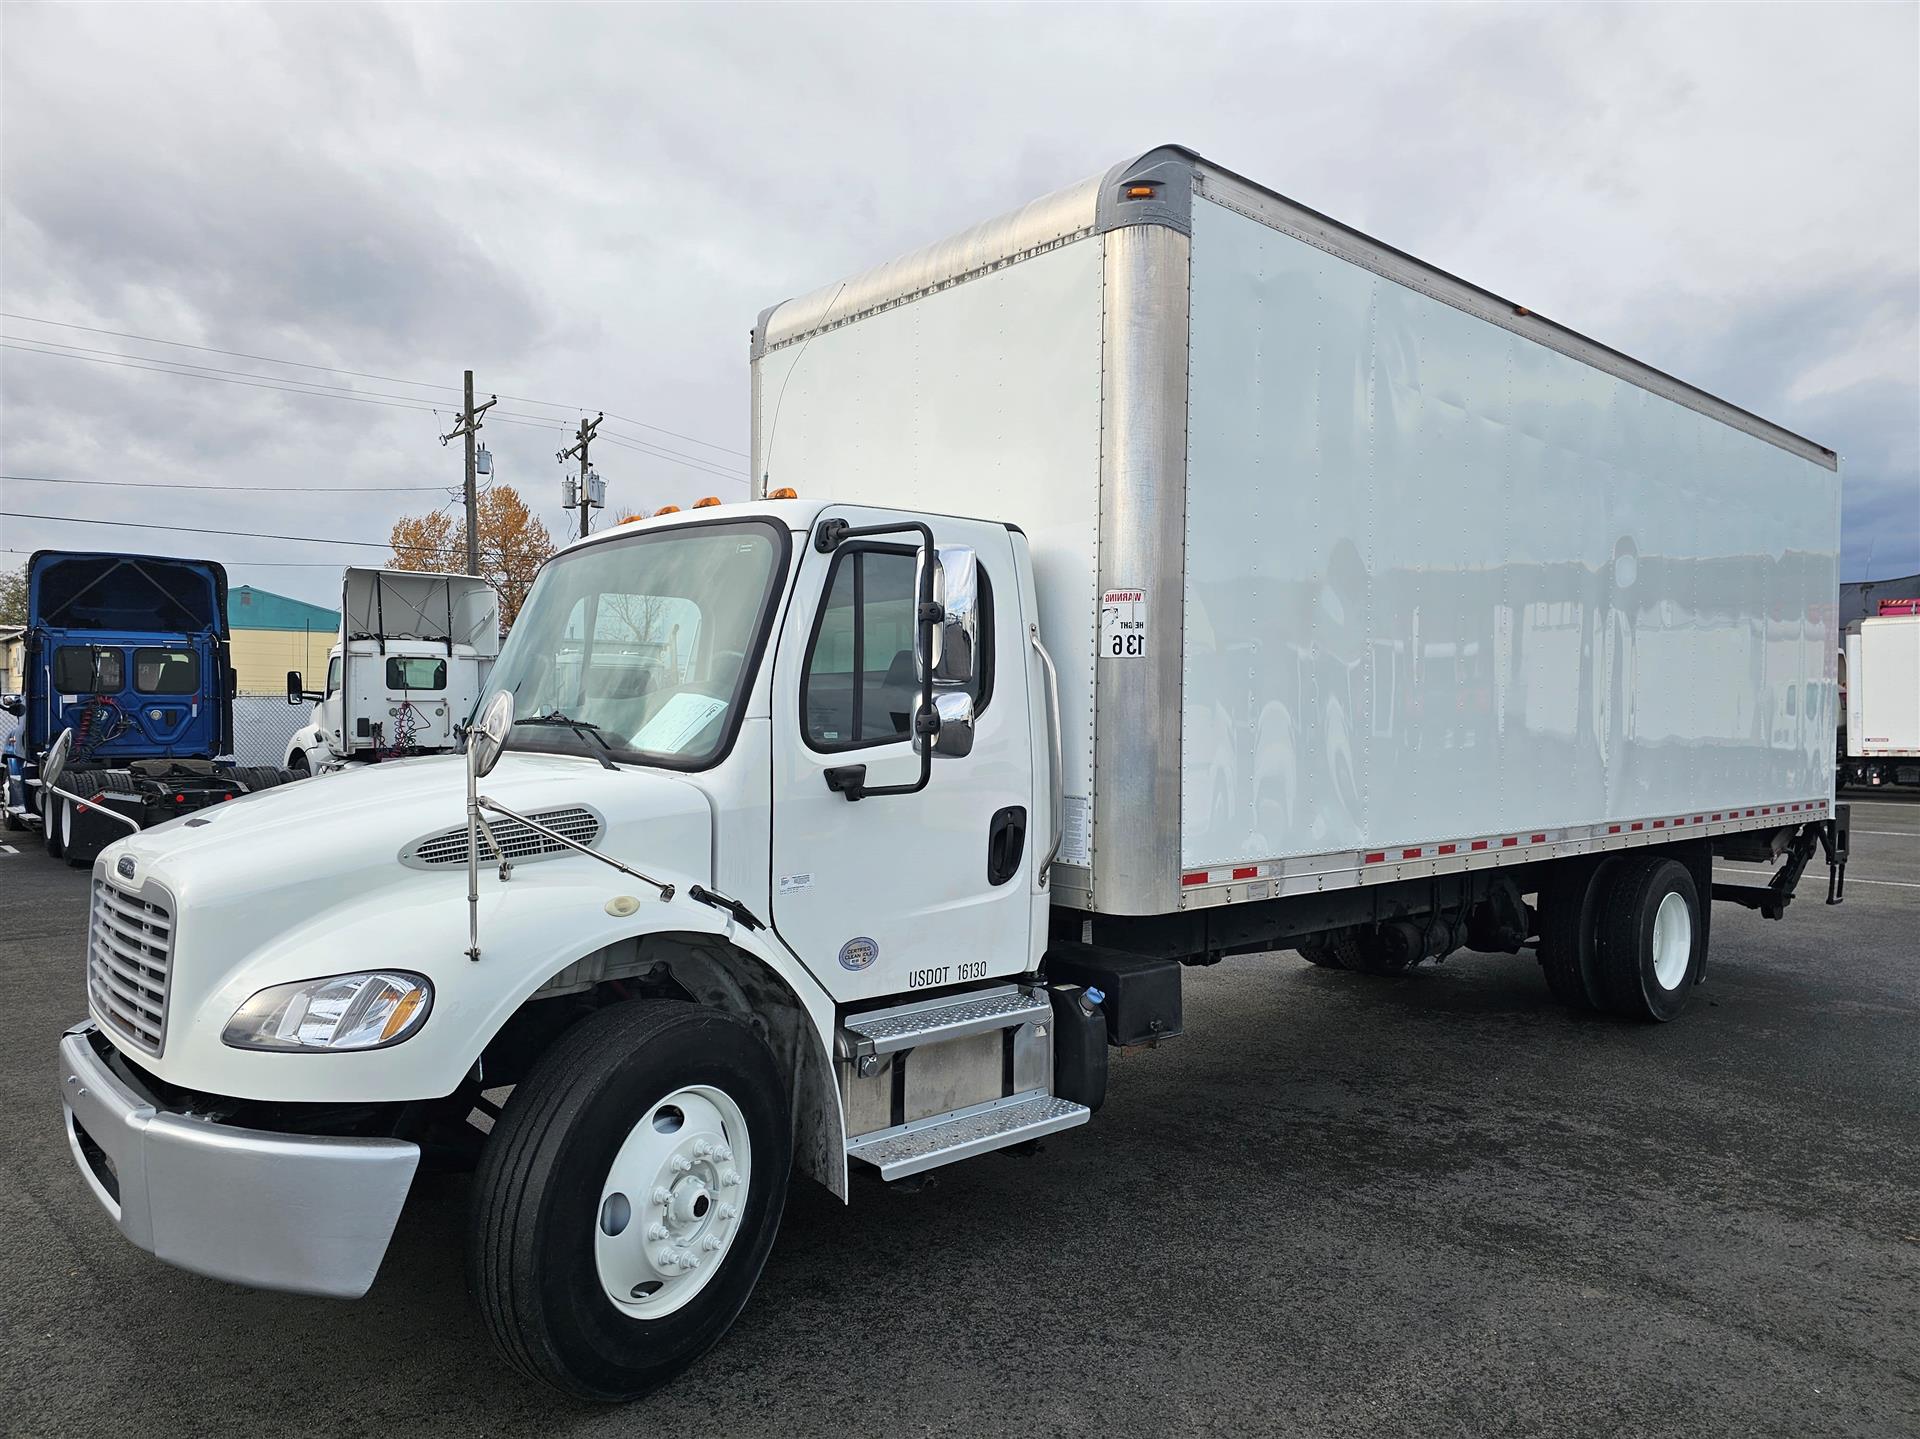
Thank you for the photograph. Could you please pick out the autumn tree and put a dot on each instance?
(13, 596)
(513, 545)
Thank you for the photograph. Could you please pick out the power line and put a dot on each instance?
(258, 384)
(211, 350)
(357, 374)
(501, 554)
(225, 489)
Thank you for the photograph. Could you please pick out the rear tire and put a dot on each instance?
(1321, 955)
(1569, 923)
(551, 1206)
(50, 807)
(1652, 939)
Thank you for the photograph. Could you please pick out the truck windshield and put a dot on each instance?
(651, 639)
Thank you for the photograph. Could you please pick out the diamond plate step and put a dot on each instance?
(908, 1026)
(930, 1143)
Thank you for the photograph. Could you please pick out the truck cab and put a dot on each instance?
(129, 653)
(413, 657)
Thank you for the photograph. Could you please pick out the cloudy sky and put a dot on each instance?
(589, 206)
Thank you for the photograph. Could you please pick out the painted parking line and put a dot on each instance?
(8, 849)
(1851, 878)
(1888, 833)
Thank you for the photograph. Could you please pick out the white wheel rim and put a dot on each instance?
(66, 824)
(672, 1201)
(1672, 941)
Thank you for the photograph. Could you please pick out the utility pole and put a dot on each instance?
(469, 426)
(582, 439)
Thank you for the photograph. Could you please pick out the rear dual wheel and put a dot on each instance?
(1626, 934)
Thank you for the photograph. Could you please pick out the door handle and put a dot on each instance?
(1006, 842)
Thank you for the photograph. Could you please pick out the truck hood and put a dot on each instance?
(329, 876)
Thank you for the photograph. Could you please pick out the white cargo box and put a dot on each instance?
(1352, 569)
(418, 647)
(1883, 688)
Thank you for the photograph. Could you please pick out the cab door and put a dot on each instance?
(911, 891)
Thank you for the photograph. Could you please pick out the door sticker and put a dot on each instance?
(858, 953)
(1075, 824)
(1123, 624)
(794, 883)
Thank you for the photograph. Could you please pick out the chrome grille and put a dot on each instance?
(129, 959)
(517, 841)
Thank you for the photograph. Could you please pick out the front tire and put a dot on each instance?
(1652, 938)
(605, 1175)
(52, 810)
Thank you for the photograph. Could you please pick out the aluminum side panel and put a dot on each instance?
(982, 399)
(1443, 580)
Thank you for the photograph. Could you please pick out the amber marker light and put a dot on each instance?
(666, 510)
(785, 492)
(703, 502)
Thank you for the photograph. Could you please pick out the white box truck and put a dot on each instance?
(1881, 727)
(412, 661)
(1173, 573)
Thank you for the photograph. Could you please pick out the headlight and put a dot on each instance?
(344, 1011)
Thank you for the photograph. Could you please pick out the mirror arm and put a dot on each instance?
(482, 802)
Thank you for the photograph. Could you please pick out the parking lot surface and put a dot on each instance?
(1337, 1205)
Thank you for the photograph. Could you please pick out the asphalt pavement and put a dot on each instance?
(1335, 1206)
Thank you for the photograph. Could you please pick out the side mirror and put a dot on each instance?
(954, 738)
(488, 737)
(957, 588)
(54, 763)
(13, 705)
(296, 692)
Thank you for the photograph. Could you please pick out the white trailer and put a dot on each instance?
(411, 663)
(1174, 573)
(1882, 727)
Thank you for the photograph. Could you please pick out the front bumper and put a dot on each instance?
(274, 1211)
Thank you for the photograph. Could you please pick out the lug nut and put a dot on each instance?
(702, 1150)
(662, 1198)
(723, 1154)
(710, 1244)
(689, 1261)
(681, 1164)
(668, 1258)
(656, 1231)
(727, 1211)
(729, 1179)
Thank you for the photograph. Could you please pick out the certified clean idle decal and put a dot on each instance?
(857, 953)
(1123, 624)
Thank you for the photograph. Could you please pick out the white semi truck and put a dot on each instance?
(411, 663)
(1881, 726)
(1174, 573)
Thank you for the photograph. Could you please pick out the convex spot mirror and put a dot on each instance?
(488, 737)
(954, 738)
(55, 764)
(956, 588)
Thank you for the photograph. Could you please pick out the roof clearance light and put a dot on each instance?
(702, 503)
(666, 510)
(629, 519)
(785, 492)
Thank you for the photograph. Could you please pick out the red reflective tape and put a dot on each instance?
(1193, 879)
(1479, 844)
(1409, 854)
(1447, 848)
(1508, 842)
(1247, 871)
(1375, 858)
(1539, 839)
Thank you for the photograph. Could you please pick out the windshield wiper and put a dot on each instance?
(581, 727)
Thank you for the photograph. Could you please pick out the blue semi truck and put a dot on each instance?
(131, 654)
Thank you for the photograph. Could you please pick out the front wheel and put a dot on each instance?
(629, 1196)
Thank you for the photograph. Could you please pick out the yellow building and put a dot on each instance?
(12, 659)
(276, 633)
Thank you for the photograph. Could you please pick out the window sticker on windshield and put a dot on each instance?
(679, 722)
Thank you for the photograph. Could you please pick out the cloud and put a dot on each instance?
(590, 204)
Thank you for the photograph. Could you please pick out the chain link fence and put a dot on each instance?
(262, 726)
